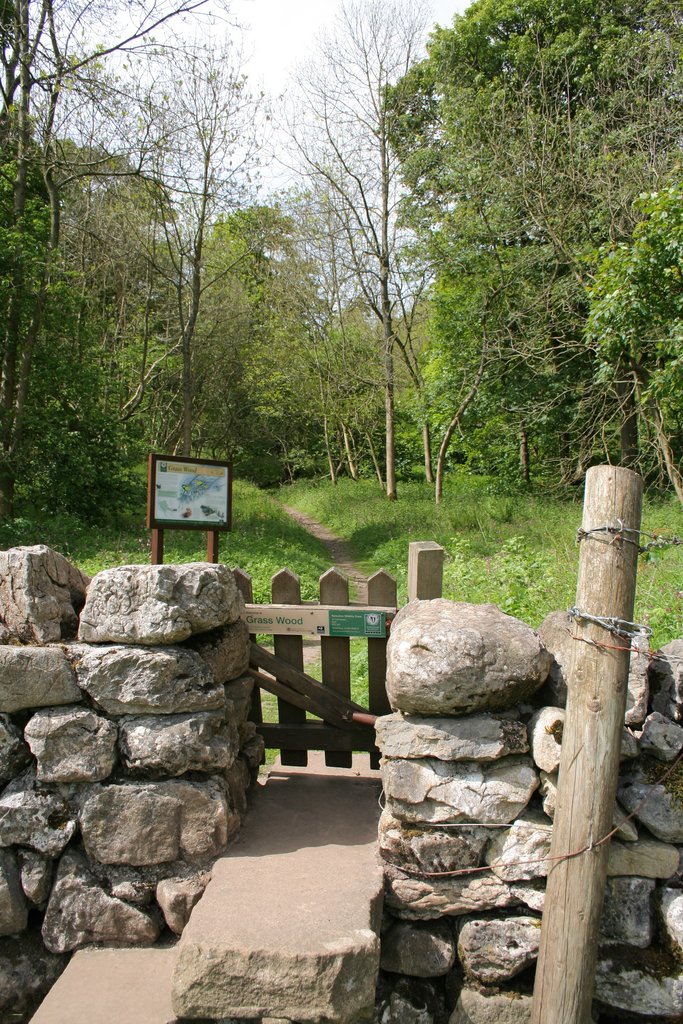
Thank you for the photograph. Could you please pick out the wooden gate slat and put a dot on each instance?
(244, 585)
(381, 591)
(336, 654)
(318, 736)
(286, 589)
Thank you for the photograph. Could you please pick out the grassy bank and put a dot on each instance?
(518, 551)
(263, 540)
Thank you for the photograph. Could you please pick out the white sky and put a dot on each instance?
(282, 33)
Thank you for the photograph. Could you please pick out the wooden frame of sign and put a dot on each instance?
(188, 494)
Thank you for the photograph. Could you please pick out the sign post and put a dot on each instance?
(188, 494)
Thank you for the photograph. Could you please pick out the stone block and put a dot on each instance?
(666, 681)
(35, 677)
(494, 951)
(413, 897)
(137, 680)
(36, 876)
(127, 823)
(643, 987)
(654, 806)
(422, 950)
(670, 906)
(14, 753)
(225, 650)
(13, 906)
(477, 1007)
(450, 658)
(471, 738)
(521, 852)
(159, 604)
(646, 858)
(177, 897)
(661, 738)
(429, 848)
(71, 745)
(41, 594)
(34, 817)
(81, 913)
(172, 745)
(628, 912)
(444, 791)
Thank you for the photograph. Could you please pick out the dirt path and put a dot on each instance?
(340, 554)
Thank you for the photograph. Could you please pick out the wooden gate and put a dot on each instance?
(299, 694)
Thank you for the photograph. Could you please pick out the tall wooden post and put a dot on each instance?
(597, 677)
(425, 570)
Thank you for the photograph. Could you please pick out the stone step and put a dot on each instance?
(112, 986)
(288, 926)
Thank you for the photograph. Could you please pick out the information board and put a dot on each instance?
(189, 493)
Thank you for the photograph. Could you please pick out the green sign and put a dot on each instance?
(358, 623)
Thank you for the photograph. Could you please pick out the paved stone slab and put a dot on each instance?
(112, 986)
(288, 925)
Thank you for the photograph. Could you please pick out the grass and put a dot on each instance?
(518, 551)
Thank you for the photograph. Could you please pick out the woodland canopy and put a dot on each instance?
(477, 266)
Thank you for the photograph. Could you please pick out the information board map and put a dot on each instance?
(188, 494)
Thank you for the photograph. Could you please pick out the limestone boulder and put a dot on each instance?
(172, 745)
(670, 907)
(654, 806)
(430, 848)
(14, 753)
(661, 738)
(35, 817)
(177, 897)
(472, 738)
(638, 684)
(414, 897)
(556, 633)
(428, 790)
(545, 730)
(477, 1007)
(407, 1000)
(642, 987)
(225, 650)
(422, 950)
(666, 681)
(252, 752)
(450, 658)
(626, 830)
(41, 594)
(646, 858)
(521, 852)
(139, 680)
(80, 912)
(156, 822)
(71, 745)
(13, 906)
(237, 780)
(159, 604)
(36, 876)
(27, 973)
(628, 912)
(238, 699)
(494, 951)
(35, 677)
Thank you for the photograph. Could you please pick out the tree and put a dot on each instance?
(524, 138)
(52, 62)
(341, 128)
(636, 323)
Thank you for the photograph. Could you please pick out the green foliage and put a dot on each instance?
(516, 550)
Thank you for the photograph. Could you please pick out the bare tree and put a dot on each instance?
(340, 124)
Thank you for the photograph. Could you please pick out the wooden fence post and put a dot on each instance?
(335, 653)
(591, 740)
(425, 570)
(286, 589)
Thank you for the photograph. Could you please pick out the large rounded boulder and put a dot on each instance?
(453, 658)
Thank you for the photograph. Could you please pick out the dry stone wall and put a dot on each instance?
(470, 760)
(126, 754)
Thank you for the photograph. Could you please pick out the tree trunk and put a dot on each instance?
(524, 467)
(375, 462)
(455, 422)
(427, 449)
(350, 461)
(628, 428)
